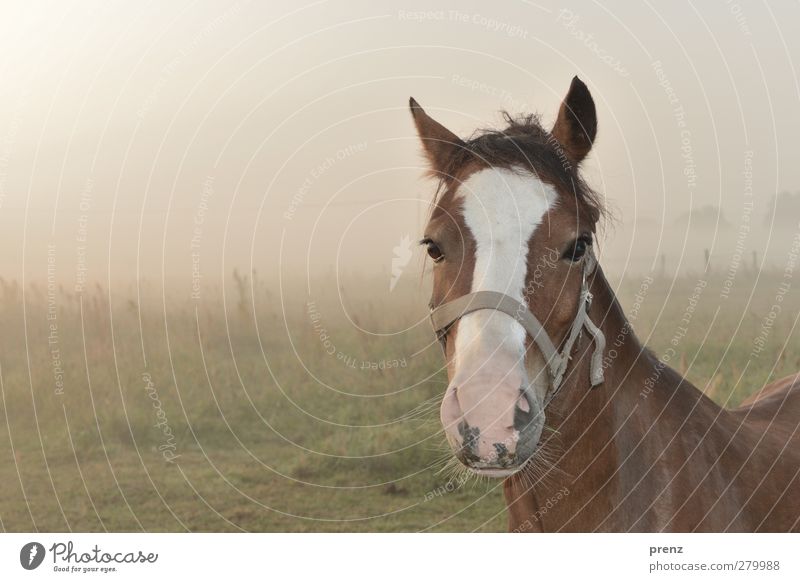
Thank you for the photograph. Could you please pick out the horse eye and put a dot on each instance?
(434, 252)
(577, 249)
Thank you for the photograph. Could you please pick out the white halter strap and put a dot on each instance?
(443, 316)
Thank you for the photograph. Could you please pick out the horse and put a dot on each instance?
(585, 439)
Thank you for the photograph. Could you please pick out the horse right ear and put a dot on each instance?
(440, 143)
(576, 125)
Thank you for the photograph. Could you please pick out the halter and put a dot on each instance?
(445, 315)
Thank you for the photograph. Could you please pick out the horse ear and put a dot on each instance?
(576, 125)
(440, 143)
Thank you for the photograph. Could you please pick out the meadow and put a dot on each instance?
(260, 410)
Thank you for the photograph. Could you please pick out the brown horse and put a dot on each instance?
(586, 439)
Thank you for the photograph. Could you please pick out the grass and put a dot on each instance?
(271, 414)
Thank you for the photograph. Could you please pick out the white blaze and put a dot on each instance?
(502, 209)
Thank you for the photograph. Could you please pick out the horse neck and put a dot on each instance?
(638, 385)
(631, 431)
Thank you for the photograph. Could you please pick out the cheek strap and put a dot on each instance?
(445, 315)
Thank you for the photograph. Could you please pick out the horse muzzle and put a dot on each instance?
(491, 439)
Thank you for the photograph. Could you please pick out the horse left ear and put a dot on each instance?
(440, 143)
(576, 125)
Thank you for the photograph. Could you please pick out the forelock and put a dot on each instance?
(525, 145)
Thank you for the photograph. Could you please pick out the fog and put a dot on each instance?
(177, 142)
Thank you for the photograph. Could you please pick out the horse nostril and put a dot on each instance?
(470, 436)
(450, 411)
(524, 416)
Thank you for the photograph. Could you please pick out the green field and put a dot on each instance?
(232, 414)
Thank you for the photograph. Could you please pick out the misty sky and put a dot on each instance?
(156, 139)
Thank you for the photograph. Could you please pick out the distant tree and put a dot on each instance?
(704, 217)
(784, 209)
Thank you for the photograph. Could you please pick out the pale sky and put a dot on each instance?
(277, 134)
